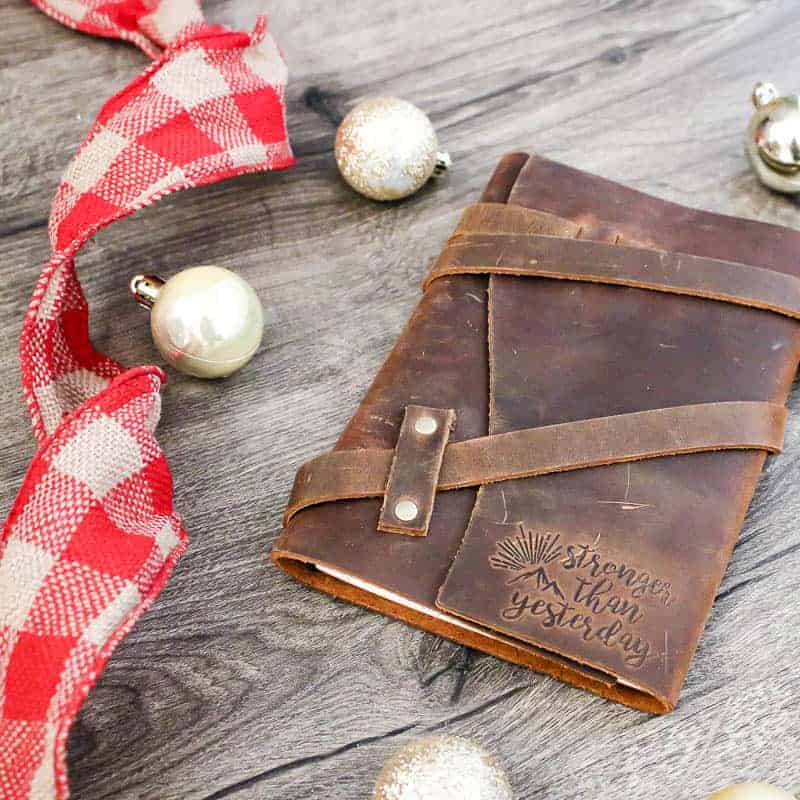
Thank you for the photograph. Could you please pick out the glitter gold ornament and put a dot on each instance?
(773, 138)
(205, 321)
(751, 791)
(442, 768)
(386, 149)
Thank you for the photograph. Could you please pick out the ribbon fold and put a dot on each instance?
(92, 535)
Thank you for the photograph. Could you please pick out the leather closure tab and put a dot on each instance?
(414, 474)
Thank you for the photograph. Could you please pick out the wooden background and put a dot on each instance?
(240, 683)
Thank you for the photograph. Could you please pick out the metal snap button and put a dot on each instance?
(406, 510)
(426, 425)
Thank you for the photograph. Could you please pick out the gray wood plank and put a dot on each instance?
(239, 683)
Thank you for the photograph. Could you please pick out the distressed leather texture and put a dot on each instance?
(602, 576)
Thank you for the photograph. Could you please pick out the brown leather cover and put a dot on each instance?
(601, 576)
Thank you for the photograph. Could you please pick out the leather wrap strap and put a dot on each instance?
(738, 425)
(599, 262)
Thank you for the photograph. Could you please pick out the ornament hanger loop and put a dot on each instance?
(145, 289)
(773, 138)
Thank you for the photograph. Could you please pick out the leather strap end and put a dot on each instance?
(339, 475)
(414, 476)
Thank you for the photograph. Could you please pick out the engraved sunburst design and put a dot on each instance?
(526, 549)
(527, 554)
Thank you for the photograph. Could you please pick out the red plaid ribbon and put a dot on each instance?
(93, 536)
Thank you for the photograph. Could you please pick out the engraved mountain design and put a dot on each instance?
(528, 553)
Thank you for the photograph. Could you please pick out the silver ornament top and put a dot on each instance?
(764, 93)
(773, 138)
(386, 149)
(145, 289)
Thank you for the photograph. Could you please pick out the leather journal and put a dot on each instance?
(555, 460)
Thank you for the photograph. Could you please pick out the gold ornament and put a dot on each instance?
(205, 321)
(773, 138)
(386, 149)
(442, 768)
(751, 791)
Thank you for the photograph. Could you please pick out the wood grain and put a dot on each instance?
(238, 682)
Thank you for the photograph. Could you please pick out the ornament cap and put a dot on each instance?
(764, 93)
(773, 138)
(443, 163)
(145, 289)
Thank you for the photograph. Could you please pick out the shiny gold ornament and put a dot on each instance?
(773, 138)
(751, 791)
(386, 149)
(442, 768)
(205, 321)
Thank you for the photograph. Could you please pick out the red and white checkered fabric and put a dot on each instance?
(93, 536)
